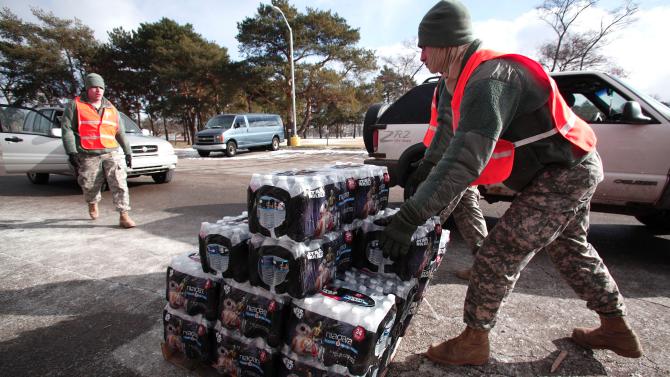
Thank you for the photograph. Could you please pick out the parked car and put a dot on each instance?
(228, 132)
(633, 131)
(30, 143)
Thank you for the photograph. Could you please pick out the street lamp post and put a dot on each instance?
(295, 139)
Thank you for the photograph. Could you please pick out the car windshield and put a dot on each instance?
(657, 105)
(130, 126)
(221, 121)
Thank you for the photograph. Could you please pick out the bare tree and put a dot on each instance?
(578, 50)
(408, 63)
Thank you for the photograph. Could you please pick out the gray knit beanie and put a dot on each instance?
(94, 79)
(446, 24)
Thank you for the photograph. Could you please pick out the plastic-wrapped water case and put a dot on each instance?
(341, 327)
(404, 292)
(367, 184)
(205, 229)
(368, 254)
(440, 243)
(237, 356)
(300, 204)
(296, 268)
(224, 247)
(293, 365)
(188, 335)
(190, 289)
(253, 311)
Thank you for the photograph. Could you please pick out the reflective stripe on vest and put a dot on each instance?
(566, 123)
(96, 131)
(432, 124)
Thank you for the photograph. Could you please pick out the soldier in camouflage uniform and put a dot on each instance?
(555, 170)
(92, 148)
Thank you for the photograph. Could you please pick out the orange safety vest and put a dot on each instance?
(97, 131)
(566, 123)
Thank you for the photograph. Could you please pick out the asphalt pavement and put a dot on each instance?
(84, 298)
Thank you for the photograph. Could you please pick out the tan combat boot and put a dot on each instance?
(463, 274)
(613, 334)
(93, 210)
(125, 221)
(469, 348)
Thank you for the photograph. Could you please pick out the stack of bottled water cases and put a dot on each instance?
(291, 302)
(192, 302)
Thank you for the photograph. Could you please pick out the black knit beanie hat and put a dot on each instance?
(446, 24)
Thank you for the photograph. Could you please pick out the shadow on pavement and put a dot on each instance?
(93, 318)
(186, 224)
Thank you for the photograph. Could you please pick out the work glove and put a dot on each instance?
(129, 161)
(74, 161)
(396, 238)
(420, 174)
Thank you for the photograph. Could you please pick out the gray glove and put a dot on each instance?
(129, 161)
(396, 238)
(74, 161)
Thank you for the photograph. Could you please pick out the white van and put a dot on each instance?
(228, 132)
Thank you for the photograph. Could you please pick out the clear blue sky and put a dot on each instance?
(384, 24)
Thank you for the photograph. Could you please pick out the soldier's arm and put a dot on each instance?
(121, 135)
(67, 128)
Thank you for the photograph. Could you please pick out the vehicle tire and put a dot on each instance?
(38, 178)
(657, 220)
(275, 144)
(369, 120)
(164, 177)
(231, 149)
(203, 153)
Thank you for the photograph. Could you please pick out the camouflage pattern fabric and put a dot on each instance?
(94, 170)
(551, 213)
(469, 218)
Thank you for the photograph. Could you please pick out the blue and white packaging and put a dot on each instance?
(224, 247)
(295, 268)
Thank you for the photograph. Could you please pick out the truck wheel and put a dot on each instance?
(38, 178)
(203, 153)
(231, 149)
(657, 220)
(163, 177)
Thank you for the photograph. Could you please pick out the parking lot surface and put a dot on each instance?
(83, 298)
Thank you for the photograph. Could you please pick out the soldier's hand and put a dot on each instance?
(396, 238)
(129, 161)
(74, 161)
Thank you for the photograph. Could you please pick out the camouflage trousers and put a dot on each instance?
(94, 170)
(551, 213)
(468, 217)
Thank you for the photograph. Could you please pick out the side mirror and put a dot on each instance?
(632, 113)
(56, 132)
(145, 132)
